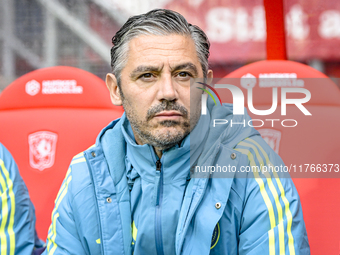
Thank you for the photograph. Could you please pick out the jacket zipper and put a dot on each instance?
(158, 212)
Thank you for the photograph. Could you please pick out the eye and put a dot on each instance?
(184, 74)
(146, 75)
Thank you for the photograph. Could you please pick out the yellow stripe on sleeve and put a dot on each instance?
(92, 146)
(265, 198)
(285, 201)
(79, 160)
(81, 154)
(11, 233)
(62, 186)
(52, 231)
(275, 195)
(4, 213)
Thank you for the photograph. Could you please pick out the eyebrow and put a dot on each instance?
(142, 69)
(186, 66)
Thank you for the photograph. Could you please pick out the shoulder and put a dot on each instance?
(262, 166)
(10, 177)
(78, 175)
(7, 162)
(258, 152)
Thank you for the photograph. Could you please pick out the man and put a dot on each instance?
(17, 218)
(132, 193)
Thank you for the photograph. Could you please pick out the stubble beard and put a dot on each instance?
(154, 134)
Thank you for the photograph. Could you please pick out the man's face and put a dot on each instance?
(155, 86)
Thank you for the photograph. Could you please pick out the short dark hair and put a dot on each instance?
(157, 22)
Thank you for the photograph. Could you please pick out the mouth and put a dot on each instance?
(168, 115)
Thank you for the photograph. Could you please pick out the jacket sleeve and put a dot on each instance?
(272, 220)
(17, 219)
(62, 236)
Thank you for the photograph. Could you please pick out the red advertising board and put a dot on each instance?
(237, 28)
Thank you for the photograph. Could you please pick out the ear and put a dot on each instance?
(210, 76)
(112, 85)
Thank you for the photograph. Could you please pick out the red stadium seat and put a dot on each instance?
(47, 117)
(315, 139)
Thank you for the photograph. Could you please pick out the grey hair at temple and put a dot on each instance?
(156, 22)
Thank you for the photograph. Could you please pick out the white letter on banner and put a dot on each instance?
(204, 104)
(262, 112)
(298, 101)
(238, 97)
(220, 122)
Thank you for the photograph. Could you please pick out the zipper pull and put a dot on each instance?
(157, 182)
(158, 165)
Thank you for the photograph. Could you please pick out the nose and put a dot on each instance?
(167, 89)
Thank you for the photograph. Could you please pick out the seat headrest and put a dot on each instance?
(60, 86)
(264, 75)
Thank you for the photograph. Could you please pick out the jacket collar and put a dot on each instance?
(175, 160)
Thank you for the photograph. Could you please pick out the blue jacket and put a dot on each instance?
(221, 212)
(17, 218)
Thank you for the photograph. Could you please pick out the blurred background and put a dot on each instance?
(41, 33)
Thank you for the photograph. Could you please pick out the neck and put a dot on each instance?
(158, 152)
